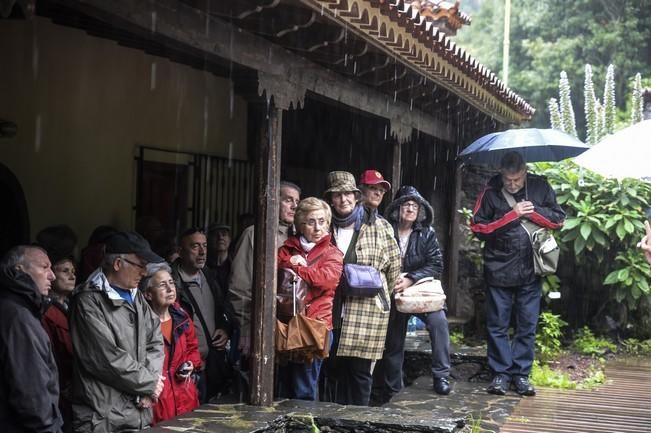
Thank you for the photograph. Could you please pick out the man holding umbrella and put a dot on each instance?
(512, 284)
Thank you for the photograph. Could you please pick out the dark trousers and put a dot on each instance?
(350, 380)
(388, 374)
(515, 357)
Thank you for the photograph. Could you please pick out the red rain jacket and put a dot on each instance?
(322, 274)
(178, 396)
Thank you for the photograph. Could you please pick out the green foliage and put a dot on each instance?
(456, 338)
(610, 110)
(604, 222)
(595, 378)
(554, 114)
(590, 105)
(633, 346)
(548, 337)
(587, 344)
(554, 35)
(543, 375)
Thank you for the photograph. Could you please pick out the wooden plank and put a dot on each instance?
(264, 263)
(182, 23)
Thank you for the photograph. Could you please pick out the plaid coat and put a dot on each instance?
(365, 320)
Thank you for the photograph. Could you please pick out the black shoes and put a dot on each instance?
(499, 385)
(442, 385)
(522, 386)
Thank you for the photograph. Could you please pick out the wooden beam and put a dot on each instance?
(454, 237)
(181, 23)
(267, 168)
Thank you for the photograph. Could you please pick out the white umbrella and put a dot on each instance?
(626, 153)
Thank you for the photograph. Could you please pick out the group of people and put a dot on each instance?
(141, 340)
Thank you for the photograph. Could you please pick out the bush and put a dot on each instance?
(548, 337)
(587, 344)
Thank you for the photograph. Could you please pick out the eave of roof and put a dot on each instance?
(399, 28)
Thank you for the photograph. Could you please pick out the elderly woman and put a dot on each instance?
(360, 323)
(182, 357)
(319, 263)
(411, 217)
(55, 322)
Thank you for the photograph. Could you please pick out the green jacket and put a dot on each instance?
(118, 353)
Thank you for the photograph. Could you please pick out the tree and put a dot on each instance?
(610, 111)
(592, 125)
(637, 104)
(555, 114)
(568, 121)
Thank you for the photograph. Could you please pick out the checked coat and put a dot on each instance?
(365, 320)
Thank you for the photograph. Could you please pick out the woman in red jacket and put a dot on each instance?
(181, 347)
(319, 263)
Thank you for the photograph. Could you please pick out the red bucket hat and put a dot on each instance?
(374, 177)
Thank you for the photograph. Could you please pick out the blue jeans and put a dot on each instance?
(303, 378)
(389, 369)
(515, 357)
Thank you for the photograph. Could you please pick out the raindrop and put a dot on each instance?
(230, 154)
(411, 104)
(355, 67)
(268, 102)
(232, 99)
(345, 60)
(386, 128)
(416, 163)
(205, 121)
(154, 18)
(335, 13)
(395, 95)
(37, 134)
(322, 9)
(152, 82)
(387, 105)
(435, 180)
(35, 58)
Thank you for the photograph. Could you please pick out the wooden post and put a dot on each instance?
(455, 239)
(267, 168)
(396, 167)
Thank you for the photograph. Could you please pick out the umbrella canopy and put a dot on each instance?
(626, 153)
(533, 144)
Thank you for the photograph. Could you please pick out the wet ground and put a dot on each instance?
(416, 409)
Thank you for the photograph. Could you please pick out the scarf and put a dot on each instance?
(306, 245)
(356, 216)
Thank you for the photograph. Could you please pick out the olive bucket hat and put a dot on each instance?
(341, 181)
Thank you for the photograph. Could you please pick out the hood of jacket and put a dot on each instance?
(21, 285)
(406, 193)
(98, 281)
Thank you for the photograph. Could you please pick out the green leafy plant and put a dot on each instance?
(587, 344)
(456, 338)
(595, 378)
(645, 347)
(543, 375)
(548, 337)
(632, 346)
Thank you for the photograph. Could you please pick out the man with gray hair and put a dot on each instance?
(117, 343)
(29, 380)
(512, 284)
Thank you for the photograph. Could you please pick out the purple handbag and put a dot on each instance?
(362, 281)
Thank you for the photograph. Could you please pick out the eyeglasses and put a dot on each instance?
(314, 223)
(138, 265)
(409, 205)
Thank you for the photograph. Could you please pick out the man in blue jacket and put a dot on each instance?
(29, 401)
(512, 284)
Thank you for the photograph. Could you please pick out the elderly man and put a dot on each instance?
(511, 281)
(203, 298)
(117, 343)
(241, 283)
(373, 187)
(29, 381)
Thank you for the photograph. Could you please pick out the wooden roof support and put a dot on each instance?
(186, 25)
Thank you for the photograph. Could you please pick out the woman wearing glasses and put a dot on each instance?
(411, 217)
(319, 263)
(182, 357)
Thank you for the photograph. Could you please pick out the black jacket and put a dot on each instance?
(423, 257)
(508, 257)
(29, 384)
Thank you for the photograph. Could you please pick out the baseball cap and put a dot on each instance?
(131, 243)
(373, 177)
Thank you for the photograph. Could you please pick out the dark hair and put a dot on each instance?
(512, 162)
(190, 231)
(58, 240)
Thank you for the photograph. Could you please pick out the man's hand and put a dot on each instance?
(298, 260)
(159, 387)
(523, 208)
(219, 339)
(402, 284)
(645, 243)
(245, 343)
(146, 402)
